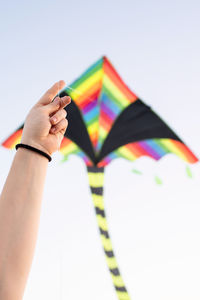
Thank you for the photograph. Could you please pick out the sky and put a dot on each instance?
(155, 229)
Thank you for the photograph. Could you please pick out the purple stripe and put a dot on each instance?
(107, 110)
(150, 150)
(90, 106)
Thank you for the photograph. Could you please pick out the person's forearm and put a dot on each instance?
(20, 204)
(20, 201)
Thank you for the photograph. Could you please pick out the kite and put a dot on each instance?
(108, 121)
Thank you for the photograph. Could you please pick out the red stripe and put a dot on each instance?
(94, 138)
(65, 142)
(105, 118)
(137, 149)
(102, 163)
(12, 140)
(92, 97)
(105, 125)
(105, 121)
(114, 76)
(186, 151)
(95, 88)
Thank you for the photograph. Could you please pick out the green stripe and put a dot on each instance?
(91, 121)
(88, 73)
(158, 141)
(112, 97)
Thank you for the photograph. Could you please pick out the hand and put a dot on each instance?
(46, 122)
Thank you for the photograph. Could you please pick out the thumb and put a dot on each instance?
(51, 93)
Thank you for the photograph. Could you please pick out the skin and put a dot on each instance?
(20, 201)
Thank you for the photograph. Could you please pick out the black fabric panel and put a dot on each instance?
(137, 122)
(76, 130)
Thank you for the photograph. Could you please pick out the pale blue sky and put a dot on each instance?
(155, 47)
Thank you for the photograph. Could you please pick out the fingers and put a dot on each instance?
(58, 104)
(52, 92)
(60, 127)
(58, 116)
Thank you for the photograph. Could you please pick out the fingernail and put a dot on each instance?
(54, 119)
(66, 98)
(53, 129)
(57, 99)
(69, 99)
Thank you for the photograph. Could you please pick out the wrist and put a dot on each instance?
(31, 159)
(35, 144)
(33, 149)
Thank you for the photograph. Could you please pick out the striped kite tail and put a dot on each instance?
(96, 178)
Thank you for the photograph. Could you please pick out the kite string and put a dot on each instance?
(60, 292)
(76, 91)
(72, 89)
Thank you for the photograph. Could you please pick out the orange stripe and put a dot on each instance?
(114, 77)
(134, 150)
(106, 117)
(86, 101)
(94, 138)
(65, 142)
(101, 164)
(105, 124)
(88, 93)
(190, 157)
(139, 150)
(12, 140)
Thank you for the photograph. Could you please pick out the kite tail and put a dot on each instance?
(96, 178)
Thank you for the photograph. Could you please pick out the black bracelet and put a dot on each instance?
(33, 149)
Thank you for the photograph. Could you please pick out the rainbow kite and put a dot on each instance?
(107, 121)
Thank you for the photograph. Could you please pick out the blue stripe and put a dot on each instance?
(91, 114)
(156, 147)
(112, 106)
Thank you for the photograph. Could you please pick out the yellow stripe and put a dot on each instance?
(115, 91)
(126, 153)
(98, 201)
(117, 280)
(123, 295)
(93, 128)
(96, 179)
(111, 262)
(69, 148)
(106, 243)
(168, 143)
(102, 223)
(82, 88)
(102, 132)
(17, 141)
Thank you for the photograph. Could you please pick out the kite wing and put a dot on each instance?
(118, 123)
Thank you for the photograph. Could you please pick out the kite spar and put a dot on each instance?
(107, 121)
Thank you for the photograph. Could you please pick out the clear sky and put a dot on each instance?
(155, 47)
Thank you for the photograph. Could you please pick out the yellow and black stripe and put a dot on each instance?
(96, 180)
